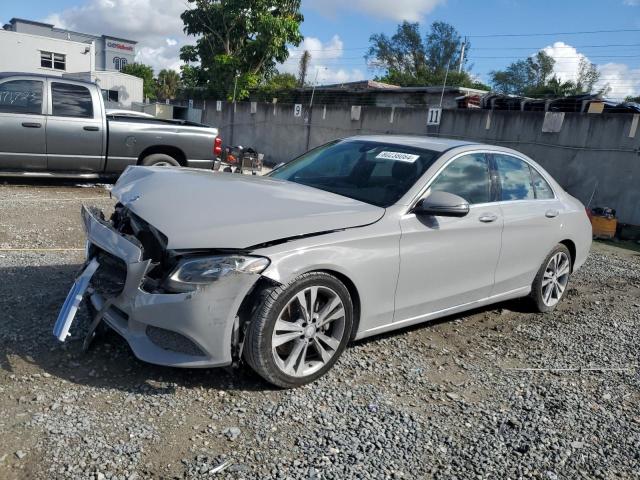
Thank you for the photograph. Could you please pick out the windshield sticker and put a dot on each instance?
(399, 156)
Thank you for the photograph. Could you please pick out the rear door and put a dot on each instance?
(22, 124)
(446, 262)
(75, 128)
(532, 221)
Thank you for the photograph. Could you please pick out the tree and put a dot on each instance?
(410, 60)
(190, 76)
(168, 83)
(281, 81)
(534, 77)
(302, 68)
(239, 39)
(145, 72)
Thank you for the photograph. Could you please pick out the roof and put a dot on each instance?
(53, 27)
(416, 141)
(41, 75)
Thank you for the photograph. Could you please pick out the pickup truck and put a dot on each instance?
(53, 126)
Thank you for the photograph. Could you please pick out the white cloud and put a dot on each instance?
(621, 79)
(411, 10)
(567, 60)
(632, 3)
(325, 60)
(155, 24)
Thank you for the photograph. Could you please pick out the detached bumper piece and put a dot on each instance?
(192, 329)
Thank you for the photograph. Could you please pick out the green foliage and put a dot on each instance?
(533, 77)
(168, 83)
(238, 39)
(410, 60)
(145, 72)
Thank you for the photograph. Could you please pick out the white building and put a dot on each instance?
(35, 47)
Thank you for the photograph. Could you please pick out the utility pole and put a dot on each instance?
(313, 90)
(235, 86)
(446, 74)
(462, 49)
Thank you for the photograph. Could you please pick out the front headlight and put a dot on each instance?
(204, 270)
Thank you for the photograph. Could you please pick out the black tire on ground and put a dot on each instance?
(257, 344)
(536, 288)
(159, 159)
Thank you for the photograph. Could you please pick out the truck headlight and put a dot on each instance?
(204, 270)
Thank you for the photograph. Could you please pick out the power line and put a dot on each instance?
(585, 32)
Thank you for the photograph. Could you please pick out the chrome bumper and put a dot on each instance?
(192, 329)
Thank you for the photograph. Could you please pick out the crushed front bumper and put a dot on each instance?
(194, 329)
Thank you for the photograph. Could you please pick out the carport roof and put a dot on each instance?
(416, 141)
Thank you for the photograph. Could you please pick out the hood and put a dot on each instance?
(204, 209)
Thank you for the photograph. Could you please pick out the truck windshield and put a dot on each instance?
(372, 172)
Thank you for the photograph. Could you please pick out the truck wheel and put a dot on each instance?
(159, 160)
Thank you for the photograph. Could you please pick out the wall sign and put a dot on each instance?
(297, 110)
(433, 117)
(218, 105)
(120, 46)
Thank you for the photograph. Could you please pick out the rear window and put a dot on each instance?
(372, 172)
(71, 100)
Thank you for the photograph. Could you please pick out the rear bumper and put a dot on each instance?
(192, 329)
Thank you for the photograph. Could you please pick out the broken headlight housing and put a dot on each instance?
(192, 272)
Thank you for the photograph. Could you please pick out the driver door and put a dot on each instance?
(446, 262)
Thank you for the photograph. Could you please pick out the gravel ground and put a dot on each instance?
(495, 393)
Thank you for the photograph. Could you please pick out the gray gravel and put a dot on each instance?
(496, 393)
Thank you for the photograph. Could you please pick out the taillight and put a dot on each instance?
(217, 147)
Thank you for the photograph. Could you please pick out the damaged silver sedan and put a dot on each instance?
(355, 238)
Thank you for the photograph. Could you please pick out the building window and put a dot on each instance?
(119, 63)
(110, 95)
(57, 61)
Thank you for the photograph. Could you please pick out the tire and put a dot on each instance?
(159, 159)
(545, 300)
(307, 350)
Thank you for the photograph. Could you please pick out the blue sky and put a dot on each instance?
(337, 31)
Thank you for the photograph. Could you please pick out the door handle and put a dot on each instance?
(31, 124)
(90, 128)
(488, 217)
(551, 213)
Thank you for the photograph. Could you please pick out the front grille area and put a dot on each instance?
(173, 341)
(111, 275)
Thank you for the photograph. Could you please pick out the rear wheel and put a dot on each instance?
(159, 160)
(299, 330)
(551, 281)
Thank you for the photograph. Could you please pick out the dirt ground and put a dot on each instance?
(496, 393)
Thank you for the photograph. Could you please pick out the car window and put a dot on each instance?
(71, 100)
(373, 172)
(541, 187)
(21, 96)
(515, 178)
(468, 177)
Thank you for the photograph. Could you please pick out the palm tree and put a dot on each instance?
(168, 83)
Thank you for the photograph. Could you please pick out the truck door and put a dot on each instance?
(22, 124)
(75, 128)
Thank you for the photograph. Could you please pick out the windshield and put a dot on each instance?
(372, 172)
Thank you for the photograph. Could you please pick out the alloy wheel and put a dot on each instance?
(308, 331)
(555, 278)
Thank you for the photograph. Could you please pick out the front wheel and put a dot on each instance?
(299, 330)
(551, 281)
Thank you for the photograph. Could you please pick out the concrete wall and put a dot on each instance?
(590, 155)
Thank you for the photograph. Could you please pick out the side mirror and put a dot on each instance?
(442, 204)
